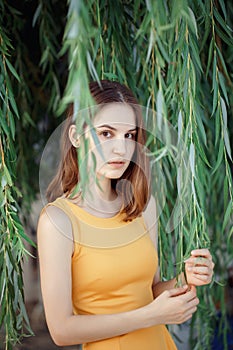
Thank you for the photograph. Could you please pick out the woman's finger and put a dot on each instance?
(201, 270)
(202, 253)
(203, 278)
(199, 261)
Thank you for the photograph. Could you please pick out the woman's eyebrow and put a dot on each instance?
(112, 128)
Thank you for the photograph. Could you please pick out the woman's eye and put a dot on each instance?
(106, 134)
(130, 136)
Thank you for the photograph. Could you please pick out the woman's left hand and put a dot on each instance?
(199, 267)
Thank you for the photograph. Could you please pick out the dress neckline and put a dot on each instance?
(92, 216)
(101, 232)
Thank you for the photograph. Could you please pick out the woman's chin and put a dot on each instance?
(111, 175)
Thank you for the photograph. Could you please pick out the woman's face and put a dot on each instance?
(115, 127)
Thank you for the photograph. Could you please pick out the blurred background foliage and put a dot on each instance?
(177, 57)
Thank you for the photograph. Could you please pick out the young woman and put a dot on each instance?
(97, 251)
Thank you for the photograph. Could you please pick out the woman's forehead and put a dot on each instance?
(115, 114)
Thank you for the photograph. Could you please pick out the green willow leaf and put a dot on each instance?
(7, 175)
(12, 125)
(4, 125)
(192, 158)
(193, 20)
(223, 87)
(227, 214)
(229, 238)
(36, 14)
(12, 70)
(215, 85)
(225, 133)
(224, 112)
(220, 156)
(159, 105)
(220, 56)
(227, 143)
(210, 56)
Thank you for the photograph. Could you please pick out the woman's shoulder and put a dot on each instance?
(60, 206)
(54, 217)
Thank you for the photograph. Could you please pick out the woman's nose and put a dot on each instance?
(119, 146)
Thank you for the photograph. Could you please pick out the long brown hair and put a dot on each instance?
(136, 190)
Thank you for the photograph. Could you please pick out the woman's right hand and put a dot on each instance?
(173, 306)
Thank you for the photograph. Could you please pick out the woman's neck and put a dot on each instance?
(101, 200)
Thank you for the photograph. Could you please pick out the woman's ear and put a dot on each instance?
(74, 139)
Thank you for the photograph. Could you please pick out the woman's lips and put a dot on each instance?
(116, 164)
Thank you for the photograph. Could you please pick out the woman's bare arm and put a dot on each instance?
(55, 247)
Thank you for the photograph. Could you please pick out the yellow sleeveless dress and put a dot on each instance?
(113, 266)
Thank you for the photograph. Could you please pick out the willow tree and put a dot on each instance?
(177, 58)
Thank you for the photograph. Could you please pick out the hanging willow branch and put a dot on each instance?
(49, 31)
(13, 314)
